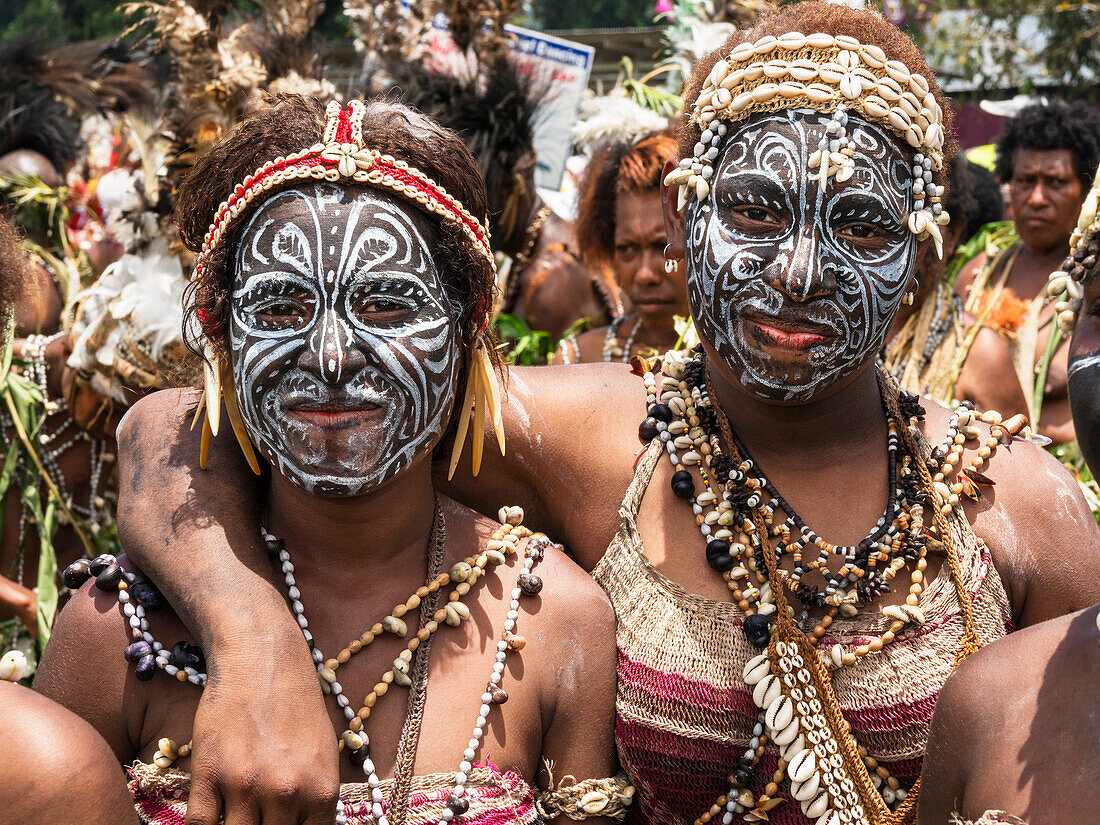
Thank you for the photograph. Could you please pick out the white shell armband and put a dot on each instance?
(586, 799)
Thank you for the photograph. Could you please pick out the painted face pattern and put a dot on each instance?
(827, 266)
(344, 342)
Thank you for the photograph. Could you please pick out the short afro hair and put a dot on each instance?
(1050, 126)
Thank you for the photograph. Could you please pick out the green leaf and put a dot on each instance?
(47, 573)
(9, 348)
(7, 475)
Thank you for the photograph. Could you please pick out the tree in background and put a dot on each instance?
(63, 21)
(592, 14)
(1010, 43)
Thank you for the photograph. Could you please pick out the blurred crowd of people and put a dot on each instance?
(97, 143)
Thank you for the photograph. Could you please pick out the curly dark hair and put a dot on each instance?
(1055, 124)
(975, 196)
(865, 25)
(295, 122)
(495, 114)
(15, 270)
(616, 169)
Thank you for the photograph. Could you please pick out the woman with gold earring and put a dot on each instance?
(341, 299)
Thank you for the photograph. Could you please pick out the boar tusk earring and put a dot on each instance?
(218, 386)
(483, 397)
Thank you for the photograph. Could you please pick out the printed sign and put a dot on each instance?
(566, 67)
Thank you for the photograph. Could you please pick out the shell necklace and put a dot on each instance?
(611, 349)
(186, 662)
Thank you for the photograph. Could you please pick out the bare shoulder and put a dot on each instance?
(575, 631)
(570, 594)
(90, 628)
(84, 670)
(1034, 519)
(579, 433)
(1009, 672)
(161, 411)
(566, 412)
(1028, 482)
(49, 756)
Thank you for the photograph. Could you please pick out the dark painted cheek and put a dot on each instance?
(1084, 399)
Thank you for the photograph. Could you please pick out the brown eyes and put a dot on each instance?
(631, 251)
(382, 311)
(750, 220)
(290, 315)
(283, 315)
(859, 232)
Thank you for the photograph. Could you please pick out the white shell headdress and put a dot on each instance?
(836, 75)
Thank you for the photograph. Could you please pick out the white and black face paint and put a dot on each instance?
(794, 285)
(344, 342)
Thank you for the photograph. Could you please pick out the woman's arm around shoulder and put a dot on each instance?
(579, 667)
(195, 534)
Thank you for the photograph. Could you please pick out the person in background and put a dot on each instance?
(927, 341)
(619, 226)
(989, 203)
(48, 756)
(989, 753)
(1046, 156)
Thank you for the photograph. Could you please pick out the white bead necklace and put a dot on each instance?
(167, 752)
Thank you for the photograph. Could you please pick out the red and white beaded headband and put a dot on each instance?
(342, 155)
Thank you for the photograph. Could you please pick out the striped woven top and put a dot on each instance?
(684, 714)
(160, 797)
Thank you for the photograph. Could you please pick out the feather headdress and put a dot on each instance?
(129, 323)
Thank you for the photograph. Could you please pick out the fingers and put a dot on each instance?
(241, 810)
(242, 801)
(321, 808)
(296, 808)
(204, 805)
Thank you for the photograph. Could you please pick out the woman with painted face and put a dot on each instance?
(341, 298)
(989, 750)
(814, 528)
(619, 226)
